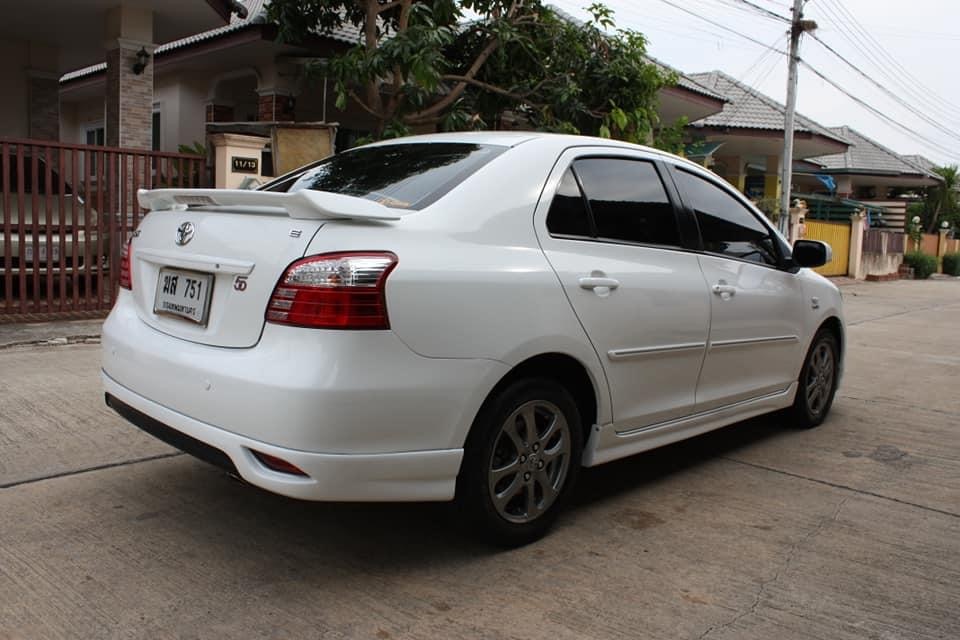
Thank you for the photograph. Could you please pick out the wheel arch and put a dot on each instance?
(834, 326)
(564, 369)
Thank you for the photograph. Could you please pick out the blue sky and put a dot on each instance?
(922, 37)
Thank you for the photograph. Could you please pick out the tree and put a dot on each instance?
(480, 64)
(943, 198)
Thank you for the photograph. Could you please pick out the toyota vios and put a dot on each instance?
(464, 316)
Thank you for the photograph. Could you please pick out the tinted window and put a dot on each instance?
(726, 225)
(405, 176)
(568, 214)
(628, 201)
(13, 177)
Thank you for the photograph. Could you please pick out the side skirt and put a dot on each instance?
(606, 444)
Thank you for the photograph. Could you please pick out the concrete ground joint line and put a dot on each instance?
(791, 552)
(99, 467)
(936, 307)
(844, 487)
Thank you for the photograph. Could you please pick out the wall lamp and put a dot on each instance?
(142, 59)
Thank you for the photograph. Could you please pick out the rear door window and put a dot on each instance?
(404, 176)
(628, 201)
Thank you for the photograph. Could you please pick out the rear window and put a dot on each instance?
(403, 176)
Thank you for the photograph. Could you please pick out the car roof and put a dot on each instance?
(556, 141)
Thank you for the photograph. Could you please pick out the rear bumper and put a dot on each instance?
(406, 476)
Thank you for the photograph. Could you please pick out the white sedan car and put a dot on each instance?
(464, 316)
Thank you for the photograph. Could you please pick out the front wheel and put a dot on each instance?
(520, 461)
(818, 381)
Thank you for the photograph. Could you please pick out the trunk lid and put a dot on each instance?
(237, 256)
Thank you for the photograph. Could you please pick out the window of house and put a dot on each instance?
(156, 131)
(727, 226)
(95, 135)
(628, 201)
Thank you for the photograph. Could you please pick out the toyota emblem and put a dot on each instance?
(185, 233)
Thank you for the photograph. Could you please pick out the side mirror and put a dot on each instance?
(811, 253)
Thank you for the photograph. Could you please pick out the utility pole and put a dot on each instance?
(797, 28)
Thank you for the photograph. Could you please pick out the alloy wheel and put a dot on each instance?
(819, 377)
(530, 461)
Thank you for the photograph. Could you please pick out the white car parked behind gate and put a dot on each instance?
(470, 316)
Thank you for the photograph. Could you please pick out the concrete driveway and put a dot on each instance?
(851, 530)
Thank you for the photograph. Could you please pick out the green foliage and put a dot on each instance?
(951, 264)
(770, 207)
(923, 265)
(940, 203)
(512, 64)
(197, 148)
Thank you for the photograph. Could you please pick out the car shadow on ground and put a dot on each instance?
(398, 536)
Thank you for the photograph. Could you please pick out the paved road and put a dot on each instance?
(757, 531)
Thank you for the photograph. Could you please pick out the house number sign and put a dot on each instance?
(245, 165)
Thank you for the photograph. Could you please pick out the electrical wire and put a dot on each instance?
(920, 137)
(887, 66)
(721, 26)
(915, 111)
(766, 12)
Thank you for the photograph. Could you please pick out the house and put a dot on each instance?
(746, 136)
(869, 173)
(238, 75)
(38, 45)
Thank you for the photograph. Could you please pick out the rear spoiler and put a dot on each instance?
(305, 204)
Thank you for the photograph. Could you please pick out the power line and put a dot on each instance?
(765, 11)
(885, 63)
(920, 114)
(928, 142)
(722, 26)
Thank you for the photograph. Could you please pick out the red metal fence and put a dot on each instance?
(873, 241)
(65, 213)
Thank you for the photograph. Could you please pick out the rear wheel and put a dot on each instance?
(818, 381)
(520, 461)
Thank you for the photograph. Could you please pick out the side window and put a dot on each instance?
(628, 201)
(726, 225)
(568, 214)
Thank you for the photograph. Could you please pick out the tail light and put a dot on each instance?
(334, 291)
(126, 276)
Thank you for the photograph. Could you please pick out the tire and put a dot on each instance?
(513, 481)
(818, 381)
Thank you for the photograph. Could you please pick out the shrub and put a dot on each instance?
(923, 265)
(951, 264)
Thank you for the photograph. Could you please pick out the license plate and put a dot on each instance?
(28, 253)
(184, 294)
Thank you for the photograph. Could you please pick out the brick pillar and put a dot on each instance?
(44, 106)
(219, 113)
(275, 107)
(129, 97)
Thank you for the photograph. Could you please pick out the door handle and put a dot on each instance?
(594, 282)
(724, 290)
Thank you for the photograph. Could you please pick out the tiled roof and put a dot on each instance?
(747, 108)
(869, 156)
(256, 14)
(923, 162)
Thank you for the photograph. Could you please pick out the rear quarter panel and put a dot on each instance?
(471, 279)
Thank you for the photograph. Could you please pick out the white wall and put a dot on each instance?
(75, 117)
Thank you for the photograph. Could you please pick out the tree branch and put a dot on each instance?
(363, 105)
(461, 86)
(493, 88)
